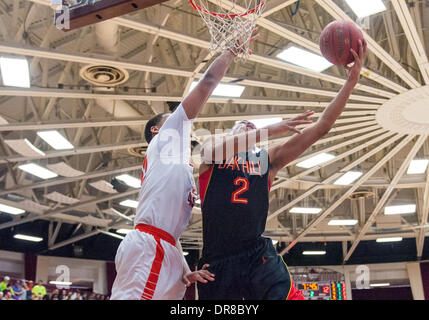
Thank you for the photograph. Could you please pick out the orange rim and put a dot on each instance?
(195, 6)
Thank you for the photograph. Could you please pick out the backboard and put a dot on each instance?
(85, 12)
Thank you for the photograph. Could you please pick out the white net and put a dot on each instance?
(230, 23)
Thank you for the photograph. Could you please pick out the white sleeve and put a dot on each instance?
(174, 137)
(177, 120)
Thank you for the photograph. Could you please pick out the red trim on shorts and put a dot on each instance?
(152, 280)
(156, 232)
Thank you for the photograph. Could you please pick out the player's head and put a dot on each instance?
(153, 126)
(242, 126)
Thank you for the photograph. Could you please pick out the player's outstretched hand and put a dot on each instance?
(290, 124)
(200, 275)
(355, 69)
(255, 35)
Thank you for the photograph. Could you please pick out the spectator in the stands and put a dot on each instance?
(63, 294)
(8, 292)
(7, 295)
(24, 286)
(29, 287)
(17, 290)
(54, 292)
(85, 296)
(70, 295)
(76, 295)
(39, 290)
(4, 283)
(92, 296)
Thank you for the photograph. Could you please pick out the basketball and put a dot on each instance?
(337, 39)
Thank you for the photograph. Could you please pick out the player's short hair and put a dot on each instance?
(152, 122)
(237, 123)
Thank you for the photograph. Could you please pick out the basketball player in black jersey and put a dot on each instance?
(234, 198)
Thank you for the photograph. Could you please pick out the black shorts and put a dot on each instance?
(256, 274)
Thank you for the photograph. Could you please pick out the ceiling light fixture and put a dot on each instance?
(224, 90)
(55, 140)
(348, 178)
(379, 284)
(342, 222)
(38, 171)
(402, 209)
(305, 210)
(314, 253)
(129, 203)
(27, 238)
(392, 239)
(261, 123)
(124, 231)
(316, 160)
(418, 166)
(15, 72)
(365, 8)
(10, 210)
(130, 180)
(305, 59)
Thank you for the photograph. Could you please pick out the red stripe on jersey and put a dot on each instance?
(204, 180)
(144, 169)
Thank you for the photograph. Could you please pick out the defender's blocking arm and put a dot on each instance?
(198, 97)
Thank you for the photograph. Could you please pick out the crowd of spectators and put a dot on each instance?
(26, 290)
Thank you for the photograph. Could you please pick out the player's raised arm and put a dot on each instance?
(281, 155)
(197, 98)
(219, 149)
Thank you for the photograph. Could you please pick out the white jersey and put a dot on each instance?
(168, 189)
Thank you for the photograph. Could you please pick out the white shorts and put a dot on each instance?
(149, 267)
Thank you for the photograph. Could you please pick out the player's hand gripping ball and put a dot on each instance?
(336, 40)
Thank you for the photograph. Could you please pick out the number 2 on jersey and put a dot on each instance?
(244, 186)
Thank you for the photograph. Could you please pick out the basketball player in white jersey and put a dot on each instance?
(149, 261)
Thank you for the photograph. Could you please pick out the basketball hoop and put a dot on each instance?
(231, 25)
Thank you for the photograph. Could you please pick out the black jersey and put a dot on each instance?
(234, 200)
